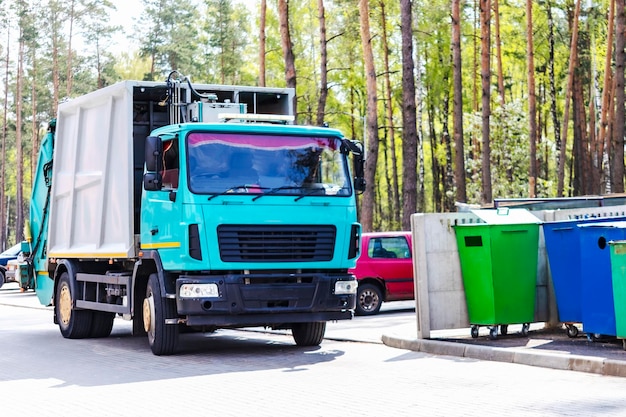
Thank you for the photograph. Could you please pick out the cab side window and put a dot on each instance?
(170, 164)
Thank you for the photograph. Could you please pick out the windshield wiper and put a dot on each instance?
(311, 192)
(246, 186)
(277, 189)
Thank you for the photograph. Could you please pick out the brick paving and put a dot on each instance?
(243, 373)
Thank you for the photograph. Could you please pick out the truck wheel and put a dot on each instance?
(308, 334)
(73, 323)
(162, 337)
(102, 324)
(369, 299)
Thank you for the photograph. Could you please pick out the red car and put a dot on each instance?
(384, 270)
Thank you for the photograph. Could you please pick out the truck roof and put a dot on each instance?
(261, 128)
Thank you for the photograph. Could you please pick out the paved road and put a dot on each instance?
(244, 373)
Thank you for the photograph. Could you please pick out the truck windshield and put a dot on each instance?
(221, 163)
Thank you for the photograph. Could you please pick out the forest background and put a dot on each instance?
(456, 101)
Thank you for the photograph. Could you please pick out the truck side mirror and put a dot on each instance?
(154, 154)
(359, 166)
(152, 181)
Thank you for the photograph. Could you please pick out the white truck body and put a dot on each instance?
(91, 210)
(93, 163)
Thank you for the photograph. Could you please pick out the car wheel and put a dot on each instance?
(369, 300)
(2, 278)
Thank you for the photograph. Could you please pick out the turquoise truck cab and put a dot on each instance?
(234, 218)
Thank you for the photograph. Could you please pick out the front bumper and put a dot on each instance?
(266, 299)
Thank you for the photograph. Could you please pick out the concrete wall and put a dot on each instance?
(439, 293)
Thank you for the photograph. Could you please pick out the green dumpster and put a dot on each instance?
(618, 276)
(499, 266)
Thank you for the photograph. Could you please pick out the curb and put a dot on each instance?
(602, 366)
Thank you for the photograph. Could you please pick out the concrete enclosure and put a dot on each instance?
(439, 292)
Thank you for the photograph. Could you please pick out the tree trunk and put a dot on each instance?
(285, 38)
(459, 156)
(568, 97)
(609, 139)
(321, 104)
(603, 132)
(448, 172)
(532, 101)
(421, 167)
(371, 119)
(485, 74)
(409, 122)
(475, 148)
(617, 171)
(3, 152)
(394, 200)
(553, 94)
(496, 13)
(19, 177)
(580, 145)
(55, 33)
(594, 165)
(263, 15)
(72, 11)
(437, 172)
(34, 121)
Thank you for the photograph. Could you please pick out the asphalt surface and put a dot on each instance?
(544, 347)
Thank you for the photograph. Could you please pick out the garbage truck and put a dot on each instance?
(192, 207)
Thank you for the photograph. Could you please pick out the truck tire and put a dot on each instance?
(102, 324)
(73, 323)
(369, 299)
(308, 334)
(163, 338)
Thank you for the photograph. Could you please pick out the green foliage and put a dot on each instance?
(170, 39)
(509, 153)
(216, 41)
(225, 30)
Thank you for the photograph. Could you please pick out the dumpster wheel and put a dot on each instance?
(525, 329)
(572, 331)
(474, 331)
(504, 329)
(493, 332)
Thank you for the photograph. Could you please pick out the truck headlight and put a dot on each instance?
(345, 287)
(198, 291)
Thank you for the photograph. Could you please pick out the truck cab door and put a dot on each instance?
(161, 209)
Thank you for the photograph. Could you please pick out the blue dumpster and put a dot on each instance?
(598, 313)
(563, 247)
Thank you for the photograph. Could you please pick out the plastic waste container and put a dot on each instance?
(499, 266)
(563, 247)
(618, 275)
(598, 312)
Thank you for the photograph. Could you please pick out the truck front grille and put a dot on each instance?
(250, 243)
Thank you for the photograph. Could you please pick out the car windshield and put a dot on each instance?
(12, 251)
(221, 163)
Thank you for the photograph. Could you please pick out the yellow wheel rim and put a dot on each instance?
(147, 314)
(65, 305)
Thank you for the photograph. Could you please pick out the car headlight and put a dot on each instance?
(198, 291)
(345, 287)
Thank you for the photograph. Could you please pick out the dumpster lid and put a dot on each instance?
(615, 224)
(505, 215)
